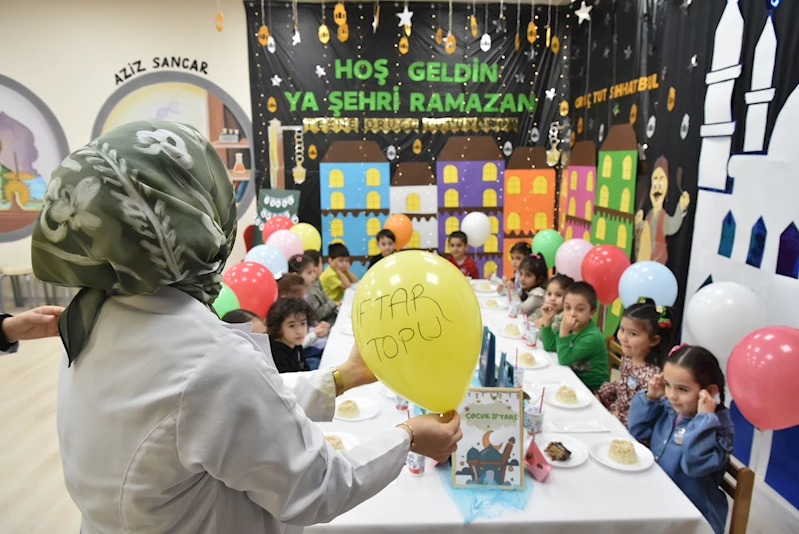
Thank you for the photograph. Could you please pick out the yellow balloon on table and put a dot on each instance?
(417, 324)
(311, 240)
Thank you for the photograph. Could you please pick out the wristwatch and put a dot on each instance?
(5, 344)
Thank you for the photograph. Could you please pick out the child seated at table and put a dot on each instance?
(691, 433)
(287, 325)
(304, 266)
(644, 334)
(324, 308)
(549, 316)
(293, 285)
(387, 244)
(458, 242)
(243, 316)
(581, 344)
(532, 276)
(518, 252)
(337, 275)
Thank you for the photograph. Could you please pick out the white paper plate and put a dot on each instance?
(575, 426)
(583, 399)
(479, 286)
(502, 304)
(578, 449)
(350, 442)
(541, 361)
(599, 452)
(499, 329)
(346, 329)
(368, 407)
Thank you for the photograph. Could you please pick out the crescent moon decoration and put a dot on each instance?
(486, 439)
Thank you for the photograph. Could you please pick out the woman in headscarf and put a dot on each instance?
(168, 420)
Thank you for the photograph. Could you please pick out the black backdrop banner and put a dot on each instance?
(405, 93)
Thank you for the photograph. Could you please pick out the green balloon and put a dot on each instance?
(546, 243)
(226, 301)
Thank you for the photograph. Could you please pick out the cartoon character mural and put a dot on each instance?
(651, 230)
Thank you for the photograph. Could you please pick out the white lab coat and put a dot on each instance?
(170, 422)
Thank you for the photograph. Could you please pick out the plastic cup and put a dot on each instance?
(514, 308)
(532, 336)
(415, 464)
(533, 420)
(401, 403)
(518, 377)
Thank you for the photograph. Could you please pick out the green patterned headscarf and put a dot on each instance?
(146, 205)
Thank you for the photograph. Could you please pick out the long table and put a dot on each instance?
(591, 498)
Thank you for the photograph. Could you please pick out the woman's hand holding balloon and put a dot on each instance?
(435, 436)
(354, 371)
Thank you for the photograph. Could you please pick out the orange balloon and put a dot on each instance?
(402, 227)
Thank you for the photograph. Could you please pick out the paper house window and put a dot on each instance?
(607, 166)
(450, 174)
(492, 244)
(757, 244)
(373, 177)
(373, 200)
(514, 185)
(337, 200)
(540, 185)
(451, 198)
(788, 257)
(413, 202)
(494, 224)
(588, 210)
(452, 225)
(572, 207)
(621, 237)
(616, 308)
(573, 181)
(337, 228)
(627, 168)
(604, 196)
(373, 226)
(336, 178)
(727, 235)
(587, 236)
(624, 205)
(338, 241)
(489, 172)
(489, 198)
(415, 241)
(600, 228)
(569, 233)
(514, 221)
(373, 248)
(589, 181)
(540, 220)
(489, 269)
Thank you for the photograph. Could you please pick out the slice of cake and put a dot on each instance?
(558, 452)
(623, 452)
(566, 395)
(336, 442)
(526, 359)
(491, 303)
(348, 409)
(484, 286)
(512, 330)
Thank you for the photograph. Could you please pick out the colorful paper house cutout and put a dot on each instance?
(578, 192)
(414, 193)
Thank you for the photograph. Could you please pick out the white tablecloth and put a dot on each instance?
(590, 499)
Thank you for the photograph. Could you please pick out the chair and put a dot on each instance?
(614, 354)
(738, 483)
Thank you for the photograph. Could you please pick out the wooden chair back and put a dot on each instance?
(614, 354)
(739, 483)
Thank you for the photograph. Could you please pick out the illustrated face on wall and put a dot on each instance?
(404, 45)
(659, 188)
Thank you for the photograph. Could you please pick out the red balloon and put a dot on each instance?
(254, 286)
(249, 232)
(762, 372)
(278, 222)
(602, 268)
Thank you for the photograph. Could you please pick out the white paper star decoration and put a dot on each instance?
(295, 39)
(405, 17)
(320, 71)
(584, 13)
(276, 80)
(550, 93)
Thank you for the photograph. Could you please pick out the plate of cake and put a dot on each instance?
(562, 451)
(567, 397)
(483, 286)
(622, 454)
(510, 331)
(530, 361)
(356, 409)
(499, 303)
(342, 441)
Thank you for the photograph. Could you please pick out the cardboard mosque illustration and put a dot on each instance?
(529, 198)
(578, 192)
(413, 192)
(469, 171)
(354, 182)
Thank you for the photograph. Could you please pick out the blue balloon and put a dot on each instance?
(648, 279)
(270, 257)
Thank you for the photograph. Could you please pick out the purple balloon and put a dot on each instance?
(569, 258)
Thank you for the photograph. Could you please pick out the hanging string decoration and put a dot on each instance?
(450, 43)
(532, 29)
(295, 39)
(263, 31)
(376, 20)
(485, 40)
(473, 19)
(518, 42)
(219, 19)
(324, 31)
(340, 17)
(271, 46)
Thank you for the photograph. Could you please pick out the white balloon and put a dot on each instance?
(719, 315)
(477, 228)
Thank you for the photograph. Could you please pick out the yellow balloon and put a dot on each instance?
(418, 326)
(311, 240)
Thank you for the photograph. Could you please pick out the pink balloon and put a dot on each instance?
(287, 242)
(569, 257)
(762, 373)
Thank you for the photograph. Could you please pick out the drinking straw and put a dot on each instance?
(541, 406)
(517, 357)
